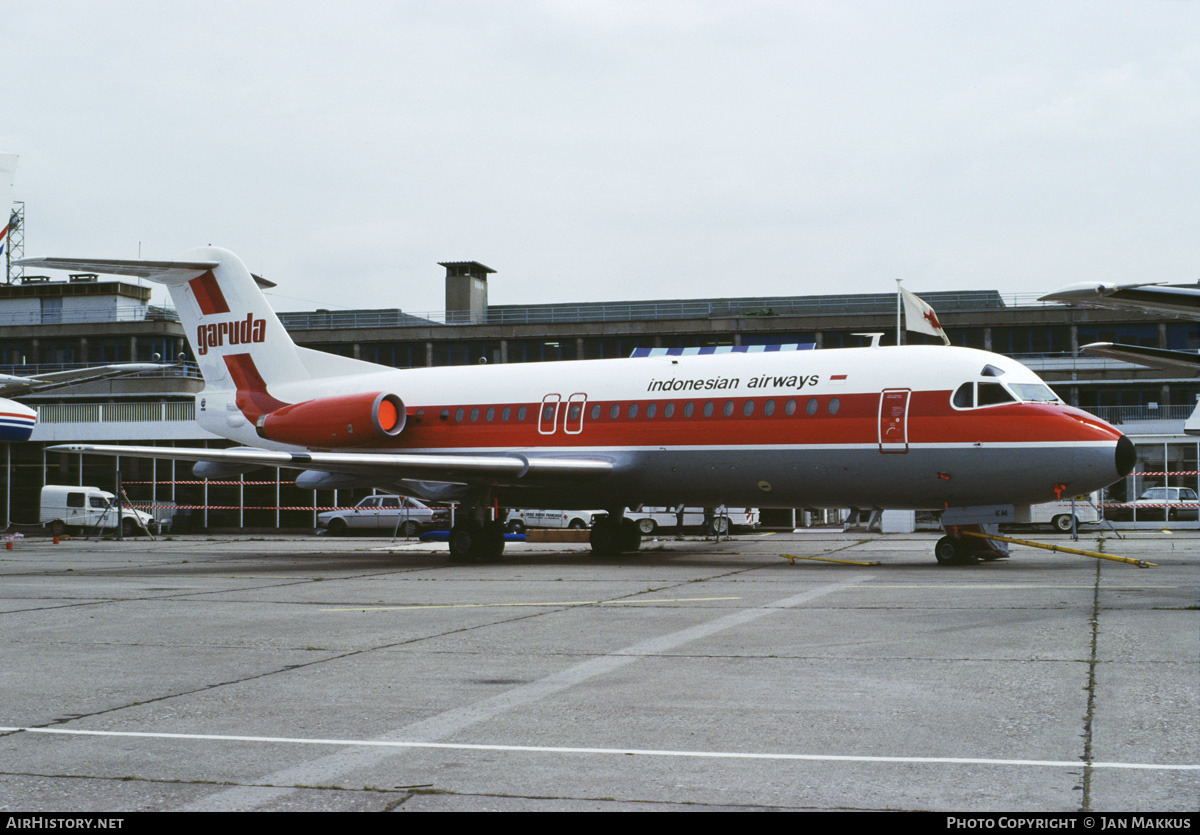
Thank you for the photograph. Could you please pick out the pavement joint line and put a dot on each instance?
(439, 726)
(613, 602)
(647, 752)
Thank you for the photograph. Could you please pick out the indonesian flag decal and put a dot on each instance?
(920, 317)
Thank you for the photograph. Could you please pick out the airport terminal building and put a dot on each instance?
(49, 325)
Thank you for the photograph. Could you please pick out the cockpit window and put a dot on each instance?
(991, 371)
(1034, 393)
(992, 393)
(964, 398)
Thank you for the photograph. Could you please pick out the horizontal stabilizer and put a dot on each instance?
(1177, 300)
(509, 467)
(1150, 357)
(167, 272)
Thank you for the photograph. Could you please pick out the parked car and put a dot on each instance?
(384, 513)
(518, 520)
(1162, 503)
(1057, 514)
(725, 519)
(64, 509)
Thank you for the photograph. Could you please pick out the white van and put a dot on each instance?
(82, 508)
(520, 519)
(1058, 514)
(725, 519)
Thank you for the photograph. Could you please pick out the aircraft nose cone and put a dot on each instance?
(1126, 456)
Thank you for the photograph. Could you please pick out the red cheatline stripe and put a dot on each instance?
(208, 294)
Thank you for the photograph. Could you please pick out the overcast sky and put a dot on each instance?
(614, 150)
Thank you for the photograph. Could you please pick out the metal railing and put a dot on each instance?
(858, 305)
(1117, 415)
(188, 370)
(116, 412)
(94, 316)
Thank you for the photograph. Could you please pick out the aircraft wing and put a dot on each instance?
(1177, 300)
(1152, 357)
(510, 467)
(14, 386)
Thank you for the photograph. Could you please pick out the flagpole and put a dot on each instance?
(898, 280)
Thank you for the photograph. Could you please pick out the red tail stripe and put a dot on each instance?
(208, 294)
(252, 397)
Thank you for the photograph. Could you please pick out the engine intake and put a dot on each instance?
(347, 421)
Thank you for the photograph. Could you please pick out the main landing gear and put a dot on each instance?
(473, 539)
(614, 534)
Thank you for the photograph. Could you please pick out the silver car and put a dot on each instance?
(403, 515)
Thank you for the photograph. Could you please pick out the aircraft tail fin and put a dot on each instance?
(238, 341)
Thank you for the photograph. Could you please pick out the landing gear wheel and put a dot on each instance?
(492, 542)
(647, 526)
(1062, 522)
(629, 536)
(465, 543)
(948, 551)
(604, 538)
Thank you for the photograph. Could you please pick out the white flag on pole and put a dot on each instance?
(919, 317)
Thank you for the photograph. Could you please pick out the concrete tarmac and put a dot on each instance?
(307, 673)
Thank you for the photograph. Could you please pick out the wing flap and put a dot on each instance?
(505, 467)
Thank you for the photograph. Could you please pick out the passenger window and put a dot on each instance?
(595, 411)
(708, 409)
(669, 410)
(728, 408)
(633, 410)
(834, 406)
(790, 408)
(458, 416)
(748, 408)
(615, 411)
(769, 408)
(651, 410)
(688, 408)
(521, 412)
(811, 406)
(475, 414)
(506, 413)
(491, 414)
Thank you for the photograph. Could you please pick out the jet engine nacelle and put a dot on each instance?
(16, 421)
(346, 421)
